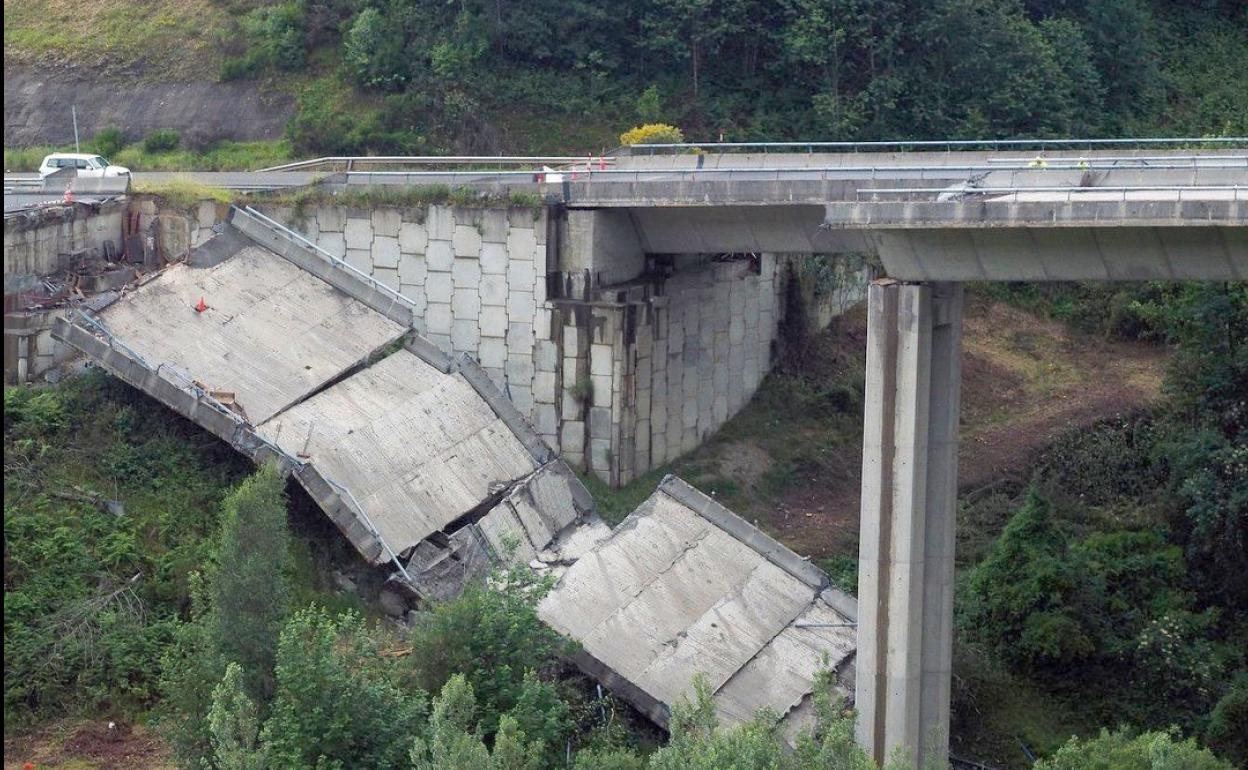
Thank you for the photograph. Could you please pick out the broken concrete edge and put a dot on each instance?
(394, 306)
(768, 547)
(507, 412)
(650, 707)
(428, 352)
(349, 523)
(238, 433)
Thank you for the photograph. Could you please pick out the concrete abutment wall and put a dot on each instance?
(622, 360)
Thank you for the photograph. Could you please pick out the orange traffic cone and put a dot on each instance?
(201, 306)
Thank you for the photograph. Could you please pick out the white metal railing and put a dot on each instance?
(945, 144)
(1070, 191)
(349, 162)
(335, 261)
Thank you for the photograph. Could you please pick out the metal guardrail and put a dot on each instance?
(1144, 161)
(767, 173)
(338, 262)
(1071, 192)
(349, 162)
(943, 144)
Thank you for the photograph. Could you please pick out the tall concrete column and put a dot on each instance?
(909, 490)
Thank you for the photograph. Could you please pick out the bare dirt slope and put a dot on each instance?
(1026, 380)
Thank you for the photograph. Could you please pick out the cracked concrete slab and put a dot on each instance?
(684, 587)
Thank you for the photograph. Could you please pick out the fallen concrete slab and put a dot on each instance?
(683, 586)
(270, 333)
(403, 447)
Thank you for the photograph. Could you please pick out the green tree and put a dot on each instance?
(234, 724)
(1027, 598)
(455, 739)
(493, 636)
(248, 586)
(340, 702)
(1121, 750)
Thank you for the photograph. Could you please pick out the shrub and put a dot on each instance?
(652, 133)
(494, 637)
(455, 739)
(1121, 750)
(108, 142)
(162, 140)
(1228, 723)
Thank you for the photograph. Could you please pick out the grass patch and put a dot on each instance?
(402, 196)
(179, 34)
(223, 156)
(184, 193)
(614, 505)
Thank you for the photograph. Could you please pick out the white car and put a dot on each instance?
(87, 165)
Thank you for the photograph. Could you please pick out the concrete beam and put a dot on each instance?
(905, 568)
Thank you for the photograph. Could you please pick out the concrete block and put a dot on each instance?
(360, 259)
(493, 290)
(467, 273)
(494, 226)
(466, 304)
(386, 251)
(539, 289)
(600, 359)
(519, 369)
(493, 321)
(413, 238)
(541, 323)
(521, 244)
(438, 320)
(572, 437)
(600, 423)
(521, 306)
(493, 353)
(465, 335)
(520, 273)
(386, 222)
(544, 387)
(544, 419)
(467, 241)
(440, 256)
(412, 269)
(600, 456)
(330, 219)
(440, 223)
(439, 288)
(522, 397)
(602, 389)
(333, 243)
(359, 233)
(388, 276)
(493, 258)
(546, 355)
(520, 336)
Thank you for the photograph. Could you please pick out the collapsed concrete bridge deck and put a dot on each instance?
(397, 441)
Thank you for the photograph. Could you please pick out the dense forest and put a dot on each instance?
(424, 76)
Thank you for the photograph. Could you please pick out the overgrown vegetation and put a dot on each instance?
(1118, 583)
(93, 592)
(422, 76)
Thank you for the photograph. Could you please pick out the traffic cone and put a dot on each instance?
(201, 306)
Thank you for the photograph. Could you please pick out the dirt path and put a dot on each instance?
(87, 745)
(1026, 380)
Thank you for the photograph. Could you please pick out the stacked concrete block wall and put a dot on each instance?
(645, 382)
(477, 278)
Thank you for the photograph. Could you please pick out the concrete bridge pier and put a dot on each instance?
(909, 492)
